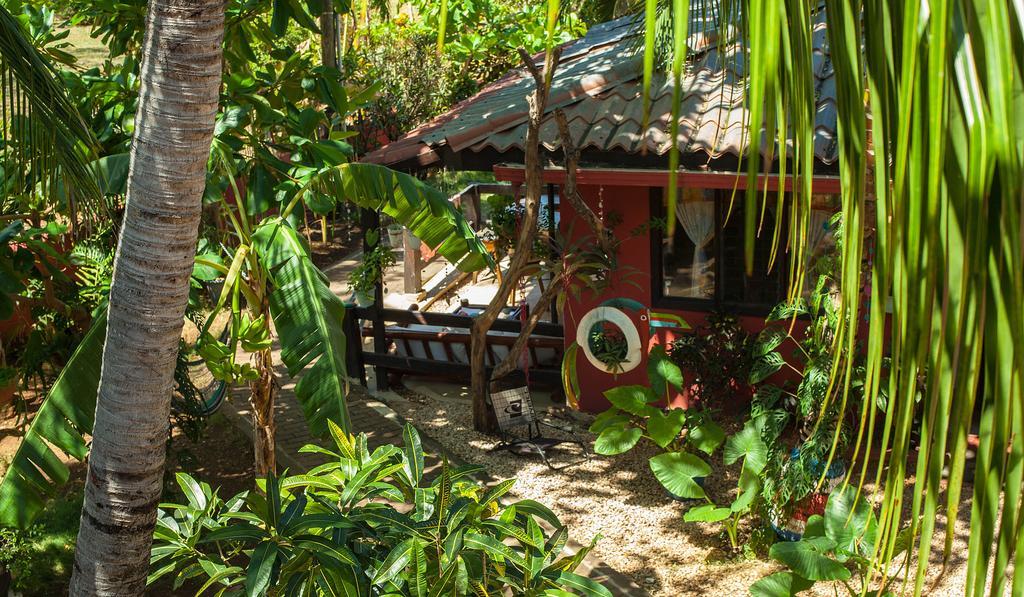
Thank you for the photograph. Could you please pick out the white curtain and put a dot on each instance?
(819, 231)
(698, 221)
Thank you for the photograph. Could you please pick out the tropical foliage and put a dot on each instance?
(636, 414)
(367, 522)
(930, 130)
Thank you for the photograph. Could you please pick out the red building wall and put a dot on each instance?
(631, 206)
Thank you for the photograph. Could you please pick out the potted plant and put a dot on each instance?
(395, 235)
(363, 279)
(804, 425)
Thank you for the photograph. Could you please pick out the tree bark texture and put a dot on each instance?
(180, 84)
(263, 392)
(482, 417)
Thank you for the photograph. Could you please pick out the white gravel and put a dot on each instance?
(617, 498)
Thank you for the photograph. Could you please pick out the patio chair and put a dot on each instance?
(521, 428)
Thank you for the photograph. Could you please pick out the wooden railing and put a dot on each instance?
(546, 336)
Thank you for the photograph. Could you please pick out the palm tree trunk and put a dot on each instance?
(181, 75)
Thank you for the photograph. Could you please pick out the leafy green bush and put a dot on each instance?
(718, 357)
(677, 431)
(815, 412)
(367, 523)
(836, 548)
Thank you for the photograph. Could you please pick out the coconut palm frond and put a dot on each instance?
(45, 142)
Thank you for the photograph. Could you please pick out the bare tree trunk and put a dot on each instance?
(508, 364)
(263, 392)
(482, 417)
(602, 234)
(181, 76)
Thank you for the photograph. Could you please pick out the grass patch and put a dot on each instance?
(90, 51)
(41, 558)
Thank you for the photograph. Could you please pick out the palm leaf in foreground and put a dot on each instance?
(424, 210)
(36, 472)
(308, 318)
(47, 141)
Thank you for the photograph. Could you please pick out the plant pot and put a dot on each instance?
(395, 236)
(792, 529)
(364, 298)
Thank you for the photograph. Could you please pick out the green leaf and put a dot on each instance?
(66, 415)
(677, 471)
(583, 585)
(765, 366)
(810, 558)
(665, 427)
(706, 436)
(633, 399)
(662, 372)
(707, 513)
(608, 418)
(780, 584)
(413, 450)
(425, 211)
(397, 560)
(747, 444)
(617, 439)
(768, 340)
(308, 318)
(846, 520)
(261, 567)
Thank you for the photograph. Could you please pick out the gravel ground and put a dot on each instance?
(641, 529)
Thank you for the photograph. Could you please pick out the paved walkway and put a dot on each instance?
(381, 425)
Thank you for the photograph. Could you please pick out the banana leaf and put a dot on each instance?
(308, 318)
(424, 210)
(37, 471)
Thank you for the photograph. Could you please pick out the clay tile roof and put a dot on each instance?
(598, 85)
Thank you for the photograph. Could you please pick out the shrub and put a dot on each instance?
(717, 356)
(367, 523)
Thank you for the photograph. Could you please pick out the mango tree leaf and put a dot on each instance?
(261, 567)
(678, 471)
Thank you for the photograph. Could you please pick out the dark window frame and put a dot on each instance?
(679, 303)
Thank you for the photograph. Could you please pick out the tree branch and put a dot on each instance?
(508, 364)
(571, 192)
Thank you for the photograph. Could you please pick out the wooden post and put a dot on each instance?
(554, 246)
(412, 265)
(370, 220)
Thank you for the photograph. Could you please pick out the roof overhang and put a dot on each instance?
(516, 174)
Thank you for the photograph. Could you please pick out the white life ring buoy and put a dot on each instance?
(612, 315)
